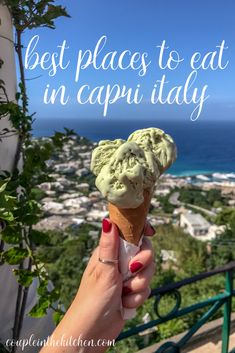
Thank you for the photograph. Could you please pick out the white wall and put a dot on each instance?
(8, 75)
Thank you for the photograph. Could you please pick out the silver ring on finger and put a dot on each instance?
(108, 261)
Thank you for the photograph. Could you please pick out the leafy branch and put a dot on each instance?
(19, 207)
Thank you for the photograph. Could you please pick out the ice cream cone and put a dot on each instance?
(131, 221)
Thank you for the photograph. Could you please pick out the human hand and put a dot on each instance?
(95, 312)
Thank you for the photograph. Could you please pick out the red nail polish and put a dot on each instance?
(106, 225)
(126, 290)
(135, 266)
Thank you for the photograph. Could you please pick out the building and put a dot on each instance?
(198, 227)
(168, 255)
(194, 224)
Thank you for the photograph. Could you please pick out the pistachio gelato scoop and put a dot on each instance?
(155, 141)
(124, 169)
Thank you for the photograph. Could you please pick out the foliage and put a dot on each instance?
(167, 207)
(7, 202)
(34, 13)
(222, 248)
(226, 216)
(19, 193)
(3, 348)
(64, 258)
(204, 199)
(21, 211)
(190, 254)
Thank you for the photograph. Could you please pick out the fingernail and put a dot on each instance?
(126, 290)
(135, 266)
(106, 225)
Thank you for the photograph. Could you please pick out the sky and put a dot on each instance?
(138, 26)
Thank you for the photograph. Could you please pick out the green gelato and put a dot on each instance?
(124, 169)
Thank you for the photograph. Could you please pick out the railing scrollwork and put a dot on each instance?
(171, 293)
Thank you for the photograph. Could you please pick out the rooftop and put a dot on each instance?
(196, 220)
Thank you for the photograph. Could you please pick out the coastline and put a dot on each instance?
(68, 198)
(203, 148)
(194, 173)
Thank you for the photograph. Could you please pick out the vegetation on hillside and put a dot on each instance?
(204, 199)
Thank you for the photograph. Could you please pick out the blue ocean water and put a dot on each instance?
(203, 147)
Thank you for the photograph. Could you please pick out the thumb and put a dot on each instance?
(109, 242)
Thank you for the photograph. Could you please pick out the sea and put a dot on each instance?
(204, 147)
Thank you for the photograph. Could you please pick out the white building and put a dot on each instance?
(194, 224)
(162, 192)
(52, 207)
(82, 172)
(65, 168)
(198, 227)
(96, 215)
(78, 202)
(168, 255)
(83, 187)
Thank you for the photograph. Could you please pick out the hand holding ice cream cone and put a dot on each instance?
(127, 172)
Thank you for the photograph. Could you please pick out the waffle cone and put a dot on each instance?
(131, 221)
